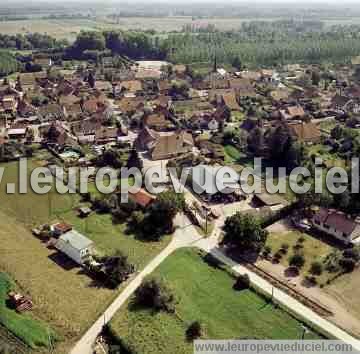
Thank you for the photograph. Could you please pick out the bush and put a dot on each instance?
(155, 294)
(348, 264)
(267, 251)
(116, 268)
(194, 331)
(311, 280)
(285, 246)
(297, 260)
(298, 247)
(316, 268)
(352, 253)
(242, 282)
(278, 255)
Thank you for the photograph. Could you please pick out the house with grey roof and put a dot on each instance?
(75, 245)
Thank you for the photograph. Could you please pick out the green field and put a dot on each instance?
(64, 296)
(68, 28)
(232, 154)
(204, 293)
(31, 331)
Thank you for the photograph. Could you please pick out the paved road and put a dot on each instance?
(210, 245)
(185, 236)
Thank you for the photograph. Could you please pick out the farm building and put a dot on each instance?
(337, 224)
(75, 245)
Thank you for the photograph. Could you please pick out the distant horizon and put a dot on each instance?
(190, 2)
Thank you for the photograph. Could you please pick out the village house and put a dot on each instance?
(44, 62)
(75, 245)
(337, 224)
(130, 86)
(26, 81)
(141, 198)
(206, 184)
(345, 104)
(229, 101)
(242, 87)
(129, 105)
(158, 121)
(26, 109)
(305, 132)
(51, 112)
(9, 103)
(164, 87)
(106, 134)
(292, 112)
(271, 201)
(16, 134)
(162, 146)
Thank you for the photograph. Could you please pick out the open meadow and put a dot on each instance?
(64, 297)
(204, 293)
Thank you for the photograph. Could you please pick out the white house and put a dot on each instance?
(213, 124)
(75, 245)
(337, 224)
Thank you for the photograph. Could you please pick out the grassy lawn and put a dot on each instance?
(64, 297)
(204, 293)
(330, 159)
(31, 331)
(232, 154)
(328, 125)
(237, 116)
(313, 249)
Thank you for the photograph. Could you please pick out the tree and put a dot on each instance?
(342, 200)
(159, 218)
(348, 264)
(52, 133)
(88, 40)
(134, 159)
(244, 232)
(316, 268)
(256, 141)
(337, 132)
(154, 293)
(315, 77)
(236, 63)
(136, 219)
(91, 79)
(194, 331)
(297, 260)
(242, 282)
(117, 268)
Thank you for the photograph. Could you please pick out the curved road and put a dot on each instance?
(187, 236)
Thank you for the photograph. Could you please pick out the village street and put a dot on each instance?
(186, 235)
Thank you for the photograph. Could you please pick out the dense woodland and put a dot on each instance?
(267, 43)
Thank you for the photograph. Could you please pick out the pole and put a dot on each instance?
(206, 223)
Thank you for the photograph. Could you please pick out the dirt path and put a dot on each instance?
(342, 317)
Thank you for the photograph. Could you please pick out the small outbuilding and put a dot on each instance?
(84, 212)
(75, 245)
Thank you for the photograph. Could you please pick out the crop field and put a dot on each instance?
(68, 28)
(64, 297)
